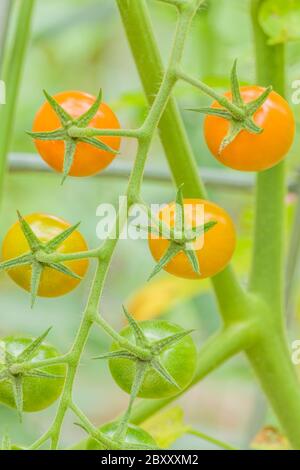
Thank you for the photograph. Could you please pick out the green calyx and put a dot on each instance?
(181, 238)
(67, 122)
(12, 369)
(37, 256)
(240, 115)
(154, 350)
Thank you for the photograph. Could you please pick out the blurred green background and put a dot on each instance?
(80, 44)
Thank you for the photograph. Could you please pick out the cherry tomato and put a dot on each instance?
(38, 393)
(45, 227)
(88, 160)
(254, 152)
(134, 435)
(179, 360)
(218, 243)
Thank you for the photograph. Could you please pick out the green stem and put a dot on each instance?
(13, 66)
(235, 110)
(212, 440)
(139, 31)
(78, 132)
(268, 267)
(271, 357)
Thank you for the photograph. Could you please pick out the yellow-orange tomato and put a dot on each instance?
(45, 227)
(217, 246)
(88, 160)
(254, 152)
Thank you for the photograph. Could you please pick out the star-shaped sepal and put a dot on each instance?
(182, 237)
(155, 349)
(34, 257)
(11, 369)
(241, 115)
(62, 134)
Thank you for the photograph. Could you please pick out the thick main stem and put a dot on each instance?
(270, 357)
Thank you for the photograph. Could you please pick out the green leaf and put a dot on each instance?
(37, 270)
(172, 250)
(140, 338)
(193, 259)
(61, 268)
(98, 144)
(55, 242)
(280, 20)
(160, 345)
(33, 347)
(40, 374)
(70, 149)
(222, 113)
(254, 105)
(116, 355)
(59, 134)
(30, 236)
(235, 86)
(17, 385)
(166, 427)
(20, 261)
(161, 370)
(86, 118)
(63, 116)
(179, 213)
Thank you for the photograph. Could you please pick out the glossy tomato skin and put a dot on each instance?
(254, 152)
(134, 435)
(88, 160)
(38, 393)
(218, 243)
(180, 361)
(45, 227)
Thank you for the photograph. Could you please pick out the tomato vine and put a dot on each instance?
(252, 317)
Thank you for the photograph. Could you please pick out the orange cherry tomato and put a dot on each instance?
(214, 252)
(254, 152)
(45, 227)
(88, 160)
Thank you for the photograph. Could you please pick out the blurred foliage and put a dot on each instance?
(80, 44)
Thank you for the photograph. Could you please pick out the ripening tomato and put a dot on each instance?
(88, 160)
(45, 227)
(179, 359)
(38, 392)
(134, 435)
(214, 251)
(248, 151)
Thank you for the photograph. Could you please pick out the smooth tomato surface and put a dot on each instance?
(45, 227)
(218, 243)
(179, 359)
(38, 393)
(88, 160)
(134, 435)
(254, 152)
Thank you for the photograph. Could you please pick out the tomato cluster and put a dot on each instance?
(252, 135)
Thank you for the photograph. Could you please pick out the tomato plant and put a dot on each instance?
(84, 156)
(135, 437)
(34, 236)
(248, 152)
(251, 128)
(177, 359)
(214, 243)
(34, 388)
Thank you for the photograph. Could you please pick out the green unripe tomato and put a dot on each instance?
(179, 359)
(38, 393)
(134, 435)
